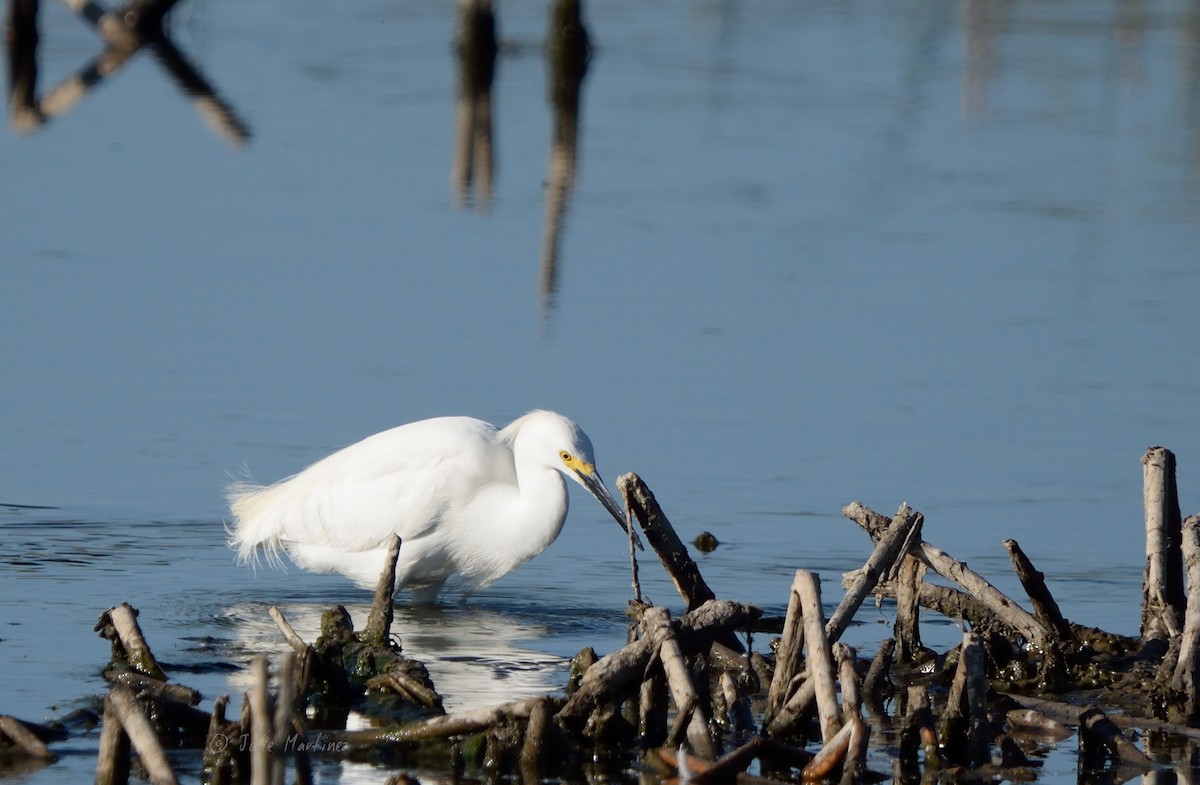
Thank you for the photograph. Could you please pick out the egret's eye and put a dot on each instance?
(566, 456)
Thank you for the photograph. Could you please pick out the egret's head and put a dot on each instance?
(574, 457)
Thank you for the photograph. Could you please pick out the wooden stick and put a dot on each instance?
(737, 705)
(379, 622)
(113, 760)
(1045, 609)
(846, 659)
(289, 634)
(260, 724)
(1095, 726)
(24, 739)
(978, 736)
(856, 753)
(532, 749)
(652, 711)
(831, 755)
(128, 712)
(820, 658)
(1162, 586)
(1069, 713)
(887, 549)
(666, 543)
(908, 609)
(441, 727)
(1008, 611)
(790, 713)
(615, 676)
(119, 625)
(877, 676)
(919, 732)
(283, 717)
(788, 661)
(656, 624)
(1185, 679)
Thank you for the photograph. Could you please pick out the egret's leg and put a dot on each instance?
(427, 594)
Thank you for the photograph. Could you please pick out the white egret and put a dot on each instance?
(469, 501)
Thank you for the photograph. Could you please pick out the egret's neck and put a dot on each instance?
(543, 509)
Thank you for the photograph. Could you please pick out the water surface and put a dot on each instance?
(933, 252)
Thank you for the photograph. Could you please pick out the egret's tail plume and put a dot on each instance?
(255, 526)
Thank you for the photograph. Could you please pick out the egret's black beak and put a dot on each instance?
(595, 484)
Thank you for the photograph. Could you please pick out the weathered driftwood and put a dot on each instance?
(819, 654)
(260, 723)
(876, 681)
(1035, 722)
(909, 582)
(1162, 587)
(1045, 609)
(1096, 728)
(665, 542)
(887, 550)
(614, 677)
(144, 685)
(656, 625)
(831, 755)
(1185, 679)
(855, 764)
(441, 727)
(919, 732)
(1009, 612)
(119, 626)
(379, 622)
(289, 634)
(963, 730)
(23, 739)
(847, 659)
(788, 657)
(737, 713)
(125, 724)
(537, 734)
(1071, 714)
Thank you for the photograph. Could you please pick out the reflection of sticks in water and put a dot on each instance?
(567, 55)
(472, 161)
(134, 25)
(218, 115)
(22, 64)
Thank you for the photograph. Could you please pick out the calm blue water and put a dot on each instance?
(934, 252)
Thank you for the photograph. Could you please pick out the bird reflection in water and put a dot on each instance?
(125, 32)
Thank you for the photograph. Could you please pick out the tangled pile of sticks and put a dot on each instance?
(690, 699)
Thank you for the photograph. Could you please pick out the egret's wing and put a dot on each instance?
(401, 481)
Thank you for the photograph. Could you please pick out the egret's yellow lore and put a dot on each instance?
(470, 502)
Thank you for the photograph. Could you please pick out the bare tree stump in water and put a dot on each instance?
(819, 655)
(908, 609)
(665, 542)
(379, 622)
(126, 724)
(1185, 680)
(1162, 587)
(658, 628)
(24, 739)
(788, 658)
(119, 625)
(1045, 609)
(963, 731)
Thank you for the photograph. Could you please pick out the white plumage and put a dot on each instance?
(468, 500)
